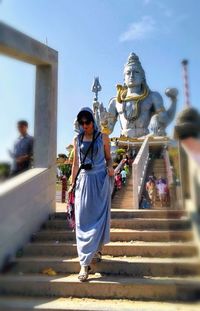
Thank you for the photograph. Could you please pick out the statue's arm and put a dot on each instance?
(158, 105)
(113, 114)
(109, 117)
(160, 117)
(163, 117)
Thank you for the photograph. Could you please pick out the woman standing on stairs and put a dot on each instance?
(92, 190)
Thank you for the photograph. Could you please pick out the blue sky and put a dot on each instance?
(95, 37)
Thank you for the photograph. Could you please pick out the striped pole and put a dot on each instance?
(185, 82)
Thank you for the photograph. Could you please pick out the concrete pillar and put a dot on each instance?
(45, 132)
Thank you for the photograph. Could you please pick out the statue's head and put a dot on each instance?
(134, 74)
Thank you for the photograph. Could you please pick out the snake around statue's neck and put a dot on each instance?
(122, 98)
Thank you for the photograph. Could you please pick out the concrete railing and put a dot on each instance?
(168, 168)
(139, 168)
(26, 201)
(119, 166)
(170, 181)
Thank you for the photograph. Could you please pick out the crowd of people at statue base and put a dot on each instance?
(155, 188)
(120, 177)
(121, 174)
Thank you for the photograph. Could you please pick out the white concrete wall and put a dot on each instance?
(26, 201)
(192, 184)
(193, 204)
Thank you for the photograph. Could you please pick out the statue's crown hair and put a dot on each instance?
(133, 59)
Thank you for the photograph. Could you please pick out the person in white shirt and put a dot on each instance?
(161, 187)
(123, 175)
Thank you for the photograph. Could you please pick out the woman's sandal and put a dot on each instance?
(83, 276)
(97, 257)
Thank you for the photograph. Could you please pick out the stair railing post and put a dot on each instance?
(64, 188)
(170, 182)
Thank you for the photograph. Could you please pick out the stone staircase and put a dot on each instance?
(152, 256)
(123, 199)
(158, 167)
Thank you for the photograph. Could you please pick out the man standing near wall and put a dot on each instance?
(23, 150)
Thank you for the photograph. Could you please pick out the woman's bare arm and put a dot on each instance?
(108, 157)
(75, 162)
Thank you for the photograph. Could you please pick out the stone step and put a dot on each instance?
(119, 197)
(158, 167)
(159, 164)
(160, 173)
(119, 235)
(136, 223)
(130, 213)
(127, 187)
(164, 213)
(134, 266)
(101, 287)
(89, 304)
(146, 249)
(122, 205)
(145, 223)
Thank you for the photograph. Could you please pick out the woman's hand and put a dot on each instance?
(111, 171)
(70, 188)
(108, 157)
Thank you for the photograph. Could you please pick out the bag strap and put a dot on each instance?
(80, 167)
(81, 140)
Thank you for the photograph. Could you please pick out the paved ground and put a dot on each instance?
(93, 304)
(60, 207)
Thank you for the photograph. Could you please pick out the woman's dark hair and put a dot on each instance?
(85, 114)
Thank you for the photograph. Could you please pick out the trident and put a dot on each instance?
(96, 88)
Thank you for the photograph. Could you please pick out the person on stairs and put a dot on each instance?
(93, 190)
(161, 187)
(151, 190)
(123, 175)
(118, 180)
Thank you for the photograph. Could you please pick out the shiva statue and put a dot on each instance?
(137, 107)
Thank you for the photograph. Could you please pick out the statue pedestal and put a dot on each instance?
(124, 142)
